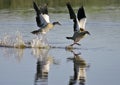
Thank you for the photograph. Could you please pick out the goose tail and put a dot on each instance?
(68, 37)
(35, 32)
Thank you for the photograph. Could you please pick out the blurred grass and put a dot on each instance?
(25, 4)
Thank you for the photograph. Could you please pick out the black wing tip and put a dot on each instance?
(81, 13)
(71, 11)
(81, 8)
(67, 3)
(34, 4)
(44, 8)
(36, 8)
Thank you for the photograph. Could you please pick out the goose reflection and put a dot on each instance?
(80, 66)
(43, 66)
(16, 52)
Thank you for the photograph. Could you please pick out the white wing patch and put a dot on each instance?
(43, 21)
(82, 23)
(77, 25)
(46, 17)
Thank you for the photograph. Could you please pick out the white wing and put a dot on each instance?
(77, 25)
(46, 17)
(42, 19)
(82, 23)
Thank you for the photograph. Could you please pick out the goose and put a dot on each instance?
(79, 24)
(42, 20)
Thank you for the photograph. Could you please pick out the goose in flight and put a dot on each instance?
(42, 20)
(79, 24)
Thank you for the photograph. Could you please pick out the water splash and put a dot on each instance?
(39, 42)
(6, 40)
(17, 41)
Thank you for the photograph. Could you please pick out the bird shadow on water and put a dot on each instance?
(17, 53)
(43, 64)
(79, 69)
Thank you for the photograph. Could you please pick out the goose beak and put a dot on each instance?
(89, 33)
(59, 23)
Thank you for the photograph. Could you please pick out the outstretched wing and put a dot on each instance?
(71, 12)
(46, 17)
(73, 16)
(36, 8)
(81, 17)
(40, 18)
